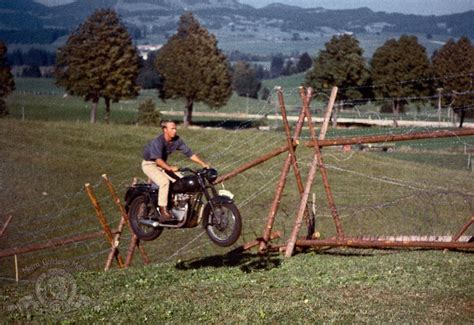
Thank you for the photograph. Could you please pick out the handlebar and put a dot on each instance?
(187, 169)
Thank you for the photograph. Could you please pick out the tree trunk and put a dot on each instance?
(188, 113)
(94, 110)
(462, 114)
(107, 110)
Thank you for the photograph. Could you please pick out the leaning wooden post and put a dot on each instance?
(317, 162)
(123, 220)
(280, 187)
(327, 115)
(463, 229)
(103, 222)
(5, 225)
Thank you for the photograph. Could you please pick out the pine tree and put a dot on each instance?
(244, 80)
(7, 83)
(99, 61)
(453, 64)
(400, 69)
(305, 62)
(340, 64)
(192, 67)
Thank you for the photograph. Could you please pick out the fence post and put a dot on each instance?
(103, 222)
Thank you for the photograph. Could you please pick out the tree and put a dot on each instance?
(453, 65)
(276, 65)
(99, 60)
(32, 71)
(304, 63)
(340, 64)
(399, 69)
(7, 83)
(192, 67)
(244, 80)
(148, 78)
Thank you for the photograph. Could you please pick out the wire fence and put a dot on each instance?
(422, 187)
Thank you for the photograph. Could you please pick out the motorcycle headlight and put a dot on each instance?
(211, 175)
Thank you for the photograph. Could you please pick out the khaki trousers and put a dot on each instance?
(160, 178)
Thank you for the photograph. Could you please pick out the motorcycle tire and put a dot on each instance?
(139, 210)
(225, 228)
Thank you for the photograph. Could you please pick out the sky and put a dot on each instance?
(417, 7)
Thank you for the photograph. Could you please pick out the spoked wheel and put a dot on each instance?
(225, 226)
(142, 209)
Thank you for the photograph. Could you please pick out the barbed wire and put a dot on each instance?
(70, 214)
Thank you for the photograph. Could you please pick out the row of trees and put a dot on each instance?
(99, 60)
(398, 70)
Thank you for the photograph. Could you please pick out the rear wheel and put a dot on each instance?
(142, 209)
(225, 226)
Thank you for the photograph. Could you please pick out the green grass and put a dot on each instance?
(337, 286)
(424, 188)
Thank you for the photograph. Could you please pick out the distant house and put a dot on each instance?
(145, 49)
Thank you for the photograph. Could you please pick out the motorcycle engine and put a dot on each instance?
(180, 206)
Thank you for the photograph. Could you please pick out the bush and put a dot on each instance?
(3, 109)
(147, 114)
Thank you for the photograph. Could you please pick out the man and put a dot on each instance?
(154, 163)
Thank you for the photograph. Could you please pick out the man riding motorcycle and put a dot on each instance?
(154, 163)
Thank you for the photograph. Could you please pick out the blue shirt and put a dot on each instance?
(159, 148)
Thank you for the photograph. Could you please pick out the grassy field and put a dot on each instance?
(423, 187)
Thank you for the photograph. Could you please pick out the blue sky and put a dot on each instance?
(418, 7)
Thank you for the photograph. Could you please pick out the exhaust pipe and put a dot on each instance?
(149, 223)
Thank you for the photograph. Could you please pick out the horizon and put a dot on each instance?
(415, 7)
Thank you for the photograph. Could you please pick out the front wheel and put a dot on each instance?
(142, 209)
(225, 226)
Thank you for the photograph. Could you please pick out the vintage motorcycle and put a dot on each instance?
(193, 200)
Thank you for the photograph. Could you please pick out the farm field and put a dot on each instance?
(423, 187)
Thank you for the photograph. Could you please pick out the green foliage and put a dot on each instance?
(7, 83)
(244, 80)
(193, 67)
(99, 60)
(453, 64)
(148, 77)
(397, 61)
(305, 62)
(32, 71)
(340, 64)
(147, 113)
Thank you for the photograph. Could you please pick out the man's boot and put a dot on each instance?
(165, 215)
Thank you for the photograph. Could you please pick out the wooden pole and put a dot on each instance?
(317, 162)
(5, 225)
(279, 190)
(392, 137)
(327, 115)
(49, 244)
(17, 278)
(103, 221)
(124, 217)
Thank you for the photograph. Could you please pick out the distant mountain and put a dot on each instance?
(148, 17)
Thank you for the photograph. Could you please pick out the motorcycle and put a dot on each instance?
(193, 200)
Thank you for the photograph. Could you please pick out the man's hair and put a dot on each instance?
(164, 123)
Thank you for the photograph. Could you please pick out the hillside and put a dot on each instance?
(334, 286)
(154, 20)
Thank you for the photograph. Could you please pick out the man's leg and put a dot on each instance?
(158, 176)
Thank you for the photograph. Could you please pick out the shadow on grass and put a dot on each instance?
(247, 262)
(225, 124)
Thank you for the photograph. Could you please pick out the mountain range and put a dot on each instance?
(148, 17)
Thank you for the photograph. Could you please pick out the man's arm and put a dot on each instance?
(161, 163)
(198, 160)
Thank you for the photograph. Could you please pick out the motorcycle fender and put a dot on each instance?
(216, 199)
(133, 192)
